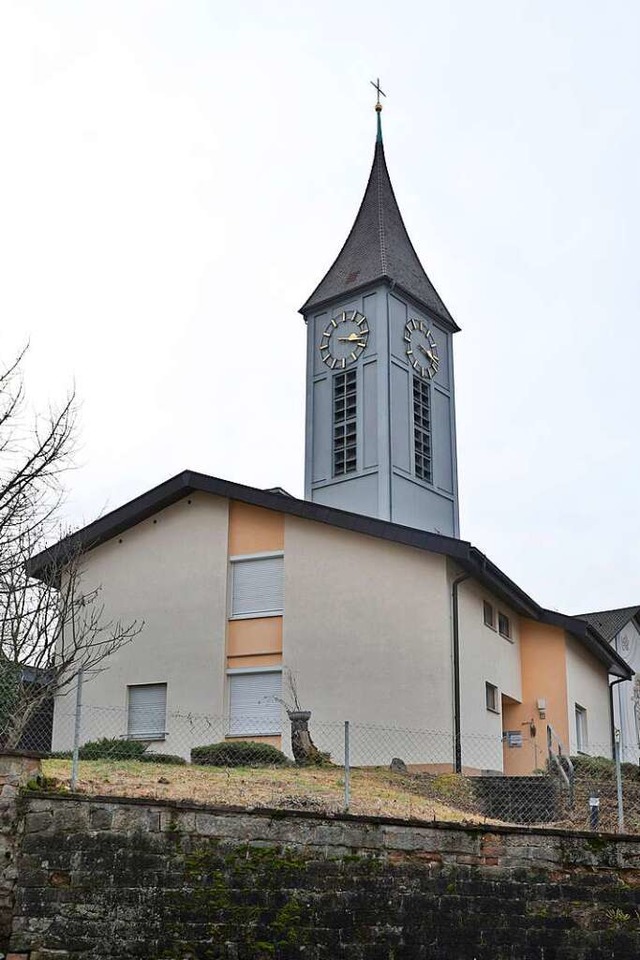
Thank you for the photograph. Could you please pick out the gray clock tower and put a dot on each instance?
(380, 420)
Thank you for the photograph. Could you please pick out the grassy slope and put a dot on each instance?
(373, 792)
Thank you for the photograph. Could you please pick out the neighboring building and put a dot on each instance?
(29, 683)
(234, 584)
(621, 628)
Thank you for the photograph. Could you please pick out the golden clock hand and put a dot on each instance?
(352, 339)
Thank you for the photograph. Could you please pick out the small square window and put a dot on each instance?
(491, 693)
(147, 711)
(489, 615)
(504, 626)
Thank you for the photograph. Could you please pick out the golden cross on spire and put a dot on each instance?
(379, 91)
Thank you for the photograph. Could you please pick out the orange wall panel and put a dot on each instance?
(544, 676)
(254, 529)
(257, 660)
(251, 636)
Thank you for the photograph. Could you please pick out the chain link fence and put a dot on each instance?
(327, 766)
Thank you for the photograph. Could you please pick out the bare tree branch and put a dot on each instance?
(54, 626)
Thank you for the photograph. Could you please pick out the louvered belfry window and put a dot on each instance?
(147, 717)
(344, 423)
(257, 587)
(422, 430)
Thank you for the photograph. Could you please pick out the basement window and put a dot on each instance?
(147, 711)
(254, 703)
(491, 696)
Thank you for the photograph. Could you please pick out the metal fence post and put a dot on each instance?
(347, 768)
(76, 730)
(619, 782)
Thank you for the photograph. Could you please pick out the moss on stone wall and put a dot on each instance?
(245, 893)
(111, 880)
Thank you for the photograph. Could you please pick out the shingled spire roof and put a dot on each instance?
(379, 248)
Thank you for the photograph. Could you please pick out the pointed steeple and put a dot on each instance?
(378, 248)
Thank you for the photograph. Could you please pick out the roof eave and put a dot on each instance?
(594, 640)
(312, 305)
(176, 488)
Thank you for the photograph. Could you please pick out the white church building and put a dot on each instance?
(364, 590)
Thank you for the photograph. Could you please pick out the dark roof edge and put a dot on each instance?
(591, 638)
(311, 307)
(45, 565)
(492, 576)
(174, 489)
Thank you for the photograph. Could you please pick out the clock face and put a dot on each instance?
(422, 349)
(344, 339)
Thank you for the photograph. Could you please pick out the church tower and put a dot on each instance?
(380, 421)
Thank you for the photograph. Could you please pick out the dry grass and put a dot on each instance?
(374, 792)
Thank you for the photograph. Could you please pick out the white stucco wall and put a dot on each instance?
(588, 686)
(171, 572)
(485, 656)
(367, 636)
(627, 644)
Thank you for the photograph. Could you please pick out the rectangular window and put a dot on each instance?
(257, 587)
(582, 741)
(147, 711)
(491, 694)
(344, 423)
(504, 626)
(253, 707)
(489, 615)
(422, 430)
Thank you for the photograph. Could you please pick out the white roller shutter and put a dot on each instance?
(253, 709)
(257, 586)
(147, 711)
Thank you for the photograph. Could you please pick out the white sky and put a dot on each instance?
(176, 177)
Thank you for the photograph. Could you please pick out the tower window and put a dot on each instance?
(344, 423)
(422, 430)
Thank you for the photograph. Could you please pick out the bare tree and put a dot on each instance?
(50, 627)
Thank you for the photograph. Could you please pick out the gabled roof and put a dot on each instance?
(378, 248)
(609, 623)
(46, 565)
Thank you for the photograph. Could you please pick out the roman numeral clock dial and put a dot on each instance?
(422, 349)
(344, 339)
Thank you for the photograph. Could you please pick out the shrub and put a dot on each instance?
(238, 753)
(114, 749)
(169, 758)
(602, 768)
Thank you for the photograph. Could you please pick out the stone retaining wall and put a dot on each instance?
(16, 769)
(105, 879)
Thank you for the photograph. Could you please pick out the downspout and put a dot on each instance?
(611, 721)
(457, 728)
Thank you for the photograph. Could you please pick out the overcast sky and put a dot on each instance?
(176, 177)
